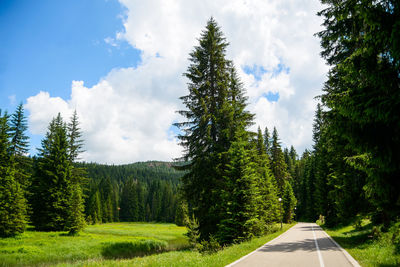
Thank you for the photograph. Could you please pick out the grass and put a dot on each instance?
(368, 251)
(187, 257)
(106, 241)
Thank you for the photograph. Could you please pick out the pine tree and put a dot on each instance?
(216, 117)
(19, 146)
(129, 202)
(182, 214)
(74, 138)
(75, 221)
(361, 44)
(267, 141)
(19, 139)
(51, 184)
(288, 203)
(268, 201)
(278, 165)
(12, 202)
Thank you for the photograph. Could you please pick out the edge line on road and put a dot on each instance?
(247, 255)
(321, 261)
(346, 254)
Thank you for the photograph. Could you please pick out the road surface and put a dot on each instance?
(305, 244)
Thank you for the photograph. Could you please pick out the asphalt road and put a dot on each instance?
(305, 244)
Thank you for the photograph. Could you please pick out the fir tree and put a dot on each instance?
(75, 221)
(19, 146)
(74, 138)
(288, 203)
(12, 202)
(216, 117)
(129, 202)
(361, 44)
(51, 183)
(278, 164)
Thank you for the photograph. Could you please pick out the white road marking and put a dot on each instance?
(321, 261)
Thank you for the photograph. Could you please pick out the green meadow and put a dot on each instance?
(119, 244)
(106, 241)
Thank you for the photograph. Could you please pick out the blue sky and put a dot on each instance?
(45, 45)
(119, 63)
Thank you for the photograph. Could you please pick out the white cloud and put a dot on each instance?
(126, 117)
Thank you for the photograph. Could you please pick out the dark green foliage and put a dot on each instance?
(278, 164)
(12, 201)
(18, 127)
(123, 250)
(288, 203)
(361, 44)
(129, 202)
(208, 246)
(228, 184)
(182, 214)
(74, 138)
(239, 198)
(56, 185)
(76, 220)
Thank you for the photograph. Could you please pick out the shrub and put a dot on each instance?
(208, 247)
(133, 249)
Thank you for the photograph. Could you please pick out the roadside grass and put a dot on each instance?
(367, 249)
(110, 241)
(189, 257)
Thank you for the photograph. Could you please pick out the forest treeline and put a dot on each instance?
(232, 183)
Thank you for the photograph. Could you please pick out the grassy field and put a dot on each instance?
(187, 257)
(368, 251)
(105, 241)
(118, 244)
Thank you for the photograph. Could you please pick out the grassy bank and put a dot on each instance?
(369, 247)
(187, 257)
(106, 241)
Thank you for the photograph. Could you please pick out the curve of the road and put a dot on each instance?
(305, 244)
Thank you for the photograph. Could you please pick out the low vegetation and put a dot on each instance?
(106, 241)
(370, 245)
(189, 257)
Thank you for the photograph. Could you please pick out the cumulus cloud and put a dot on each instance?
(127, 116)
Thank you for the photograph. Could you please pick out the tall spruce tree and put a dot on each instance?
(278, 164)
(288, 203)
(51, 185)
(216, 118)
(12, 201)
(19, 139)
(74, 138)
(361, 44)
(19, 146)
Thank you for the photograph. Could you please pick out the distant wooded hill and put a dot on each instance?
(141, 191)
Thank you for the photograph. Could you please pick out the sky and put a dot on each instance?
(119, 64)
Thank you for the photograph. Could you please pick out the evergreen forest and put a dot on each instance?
(232, 183)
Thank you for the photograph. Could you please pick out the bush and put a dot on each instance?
(358, 223)
(133, 249)
(376, 232)
(208, 247)
(193, 231)
(396, 237)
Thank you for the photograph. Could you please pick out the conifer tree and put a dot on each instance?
(12, 202)
(267, 141)
(278, 165)
(51, 184)
(19, 139)
(361, 44)
(74, 138)
(19, 145)
(182, 213)
(129, 202)
(288, 203)
(216, 118)
(75, 221)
